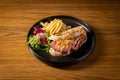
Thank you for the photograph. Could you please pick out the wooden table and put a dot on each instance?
(17, 17)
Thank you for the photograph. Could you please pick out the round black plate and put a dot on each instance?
(78, 56)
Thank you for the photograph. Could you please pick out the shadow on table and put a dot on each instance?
(94, 57)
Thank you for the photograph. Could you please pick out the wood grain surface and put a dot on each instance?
(17, 17)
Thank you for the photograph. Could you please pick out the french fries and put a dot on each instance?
(55, 26)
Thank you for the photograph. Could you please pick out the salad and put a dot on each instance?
(39, 40)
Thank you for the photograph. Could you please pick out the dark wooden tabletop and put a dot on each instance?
(17, 17)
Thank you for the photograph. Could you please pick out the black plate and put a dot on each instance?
(78, 56)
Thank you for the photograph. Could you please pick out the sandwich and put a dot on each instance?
(65, 42)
